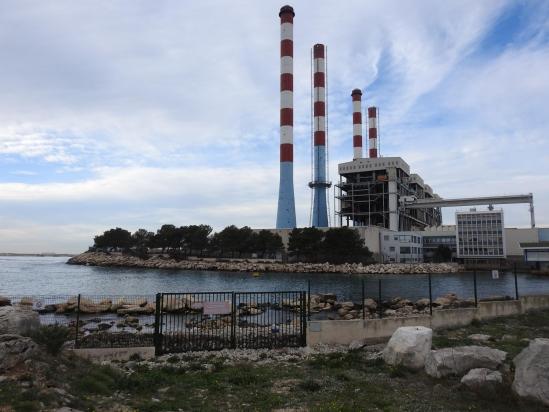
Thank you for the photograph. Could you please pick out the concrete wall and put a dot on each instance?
(102, 354)
(514, 236)
(343, 332)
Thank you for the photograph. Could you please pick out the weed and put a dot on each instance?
(136, 357)
(52, 337)
(397, 371)
(310, 385)
(173, 359)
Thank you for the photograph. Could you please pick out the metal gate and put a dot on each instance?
(218, 320)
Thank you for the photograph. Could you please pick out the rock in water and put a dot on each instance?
(532, 371)
(15, 349)
(409, 346)
(370, 304)
(458, 360)
(18, 320)
(482, 380)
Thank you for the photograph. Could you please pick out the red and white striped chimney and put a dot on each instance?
(372, 130)
(356, 95)
(319, 98)
(286, 84)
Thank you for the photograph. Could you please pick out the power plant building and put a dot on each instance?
(480, 234)
(370, 191)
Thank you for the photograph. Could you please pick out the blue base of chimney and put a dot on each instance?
(285, 217)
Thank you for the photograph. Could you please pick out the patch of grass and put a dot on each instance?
(397, 371)
(97, 381)
(310, 385)
(21, 401)
(243, 375)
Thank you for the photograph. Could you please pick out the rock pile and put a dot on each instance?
(396, 307)
(160, 262)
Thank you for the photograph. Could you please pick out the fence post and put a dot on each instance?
(233, 322)
(430, 296)
(475, 287)
(379, 299)
(157, 319)
(363, 307)
(303, 321)
(516, 282)
(76, 343)
(309, 299)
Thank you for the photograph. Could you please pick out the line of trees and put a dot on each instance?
(192, 240)
(335, 245)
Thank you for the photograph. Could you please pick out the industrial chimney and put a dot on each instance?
(372, 130)
(285, 218)
(319, 185)
(356, 95)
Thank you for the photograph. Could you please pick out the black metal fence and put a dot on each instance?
(177, 322)
(365, 297)
(220, 320)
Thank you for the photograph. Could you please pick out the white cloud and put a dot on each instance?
(170, 110)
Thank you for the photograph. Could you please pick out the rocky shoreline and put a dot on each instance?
(161, 262)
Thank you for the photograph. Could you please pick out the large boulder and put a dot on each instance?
(482, 380)
(532, 371)
(15, 349)
(4, 301)
(409, 346)
(18, 320)
(461, 359)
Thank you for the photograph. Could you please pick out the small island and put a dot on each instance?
(194, 247)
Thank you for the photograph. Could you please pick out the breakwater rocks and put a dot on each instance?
(161, 262)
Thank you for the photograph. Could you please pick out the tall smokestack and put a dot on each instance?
(356, 95)
(285, 218)
(319, 183)
(372, 130)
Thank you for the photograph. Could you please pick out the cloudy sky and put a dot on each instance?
(139, 113)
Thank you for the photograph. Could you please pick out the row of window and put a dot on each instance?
(406, 250)
(439, 240)
(404, 238)
(481, 251)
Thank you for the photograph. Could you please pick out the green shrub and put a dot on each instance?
(310, 385)
(52, 337)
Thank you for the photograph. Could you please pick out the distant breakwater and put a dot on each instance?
(160, 262)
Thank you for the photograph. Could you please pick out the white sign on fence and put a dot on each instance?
(495, 274)
(217, 308)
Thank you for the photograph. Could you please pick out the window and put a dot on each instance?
(392, 249)
(405, 250)
(386, 237)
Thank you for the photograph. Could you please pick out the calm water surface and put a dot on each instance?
(52, 276)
